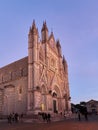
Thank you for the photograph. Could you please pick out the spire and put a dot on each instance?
(33, 29)
(58, 43)
(59, 48)
(33, 35)
(44, 32)
(52, 35)
(33, 25)
(64, 59)
(64, 63)
(30, 30)
(44, 27)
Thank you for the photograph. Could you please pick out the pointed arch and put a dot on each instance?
(57, 91)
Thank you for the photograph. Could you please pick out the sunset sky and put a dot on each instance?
(73, 22)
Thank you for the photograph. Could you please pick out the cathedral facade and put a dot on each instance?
(38, 82)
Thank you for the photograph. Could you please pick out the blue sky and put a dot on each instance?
(74, 22)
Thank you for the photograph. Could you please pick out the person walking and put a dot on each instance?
(86, 114)
(48, 117)
(79, 115)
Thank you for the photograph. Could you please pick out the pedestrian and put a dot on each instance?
(43, 116)
(79, 115)
(48, 117)
(21, 117)
(13, 116)
(16, 117)
(86, 114)
(10, 118)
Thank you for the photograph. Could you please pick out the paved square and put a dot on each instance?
(69, 124)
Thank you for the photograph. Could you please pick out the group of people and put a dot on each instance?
(14, 117)
(85, 113)
(46, 116)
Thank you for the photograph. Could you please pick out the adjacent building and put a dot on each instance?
(92, 106)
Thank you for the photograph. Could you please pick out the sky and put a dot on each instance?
(73, 22)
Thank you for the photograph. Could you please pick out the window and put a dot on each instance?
(20, 93)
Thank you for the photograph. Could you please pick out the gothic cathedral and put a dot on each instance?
(38, 82)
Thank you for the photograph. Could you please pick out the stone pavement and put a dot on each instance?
(66, 124)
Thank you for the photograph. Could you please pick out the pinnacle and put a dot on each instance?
(33, 28)
(44, 27)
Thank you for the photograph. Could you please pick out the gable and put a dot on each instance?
(52, 42)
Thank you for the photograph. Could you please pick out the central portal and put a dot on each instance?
(54, 106)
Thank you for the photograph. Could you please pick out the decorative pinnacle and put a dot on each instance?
(33, 29)
(58, 43)
(44, 26)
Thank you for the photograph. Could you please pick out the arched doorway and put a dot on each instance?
(56, 99)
